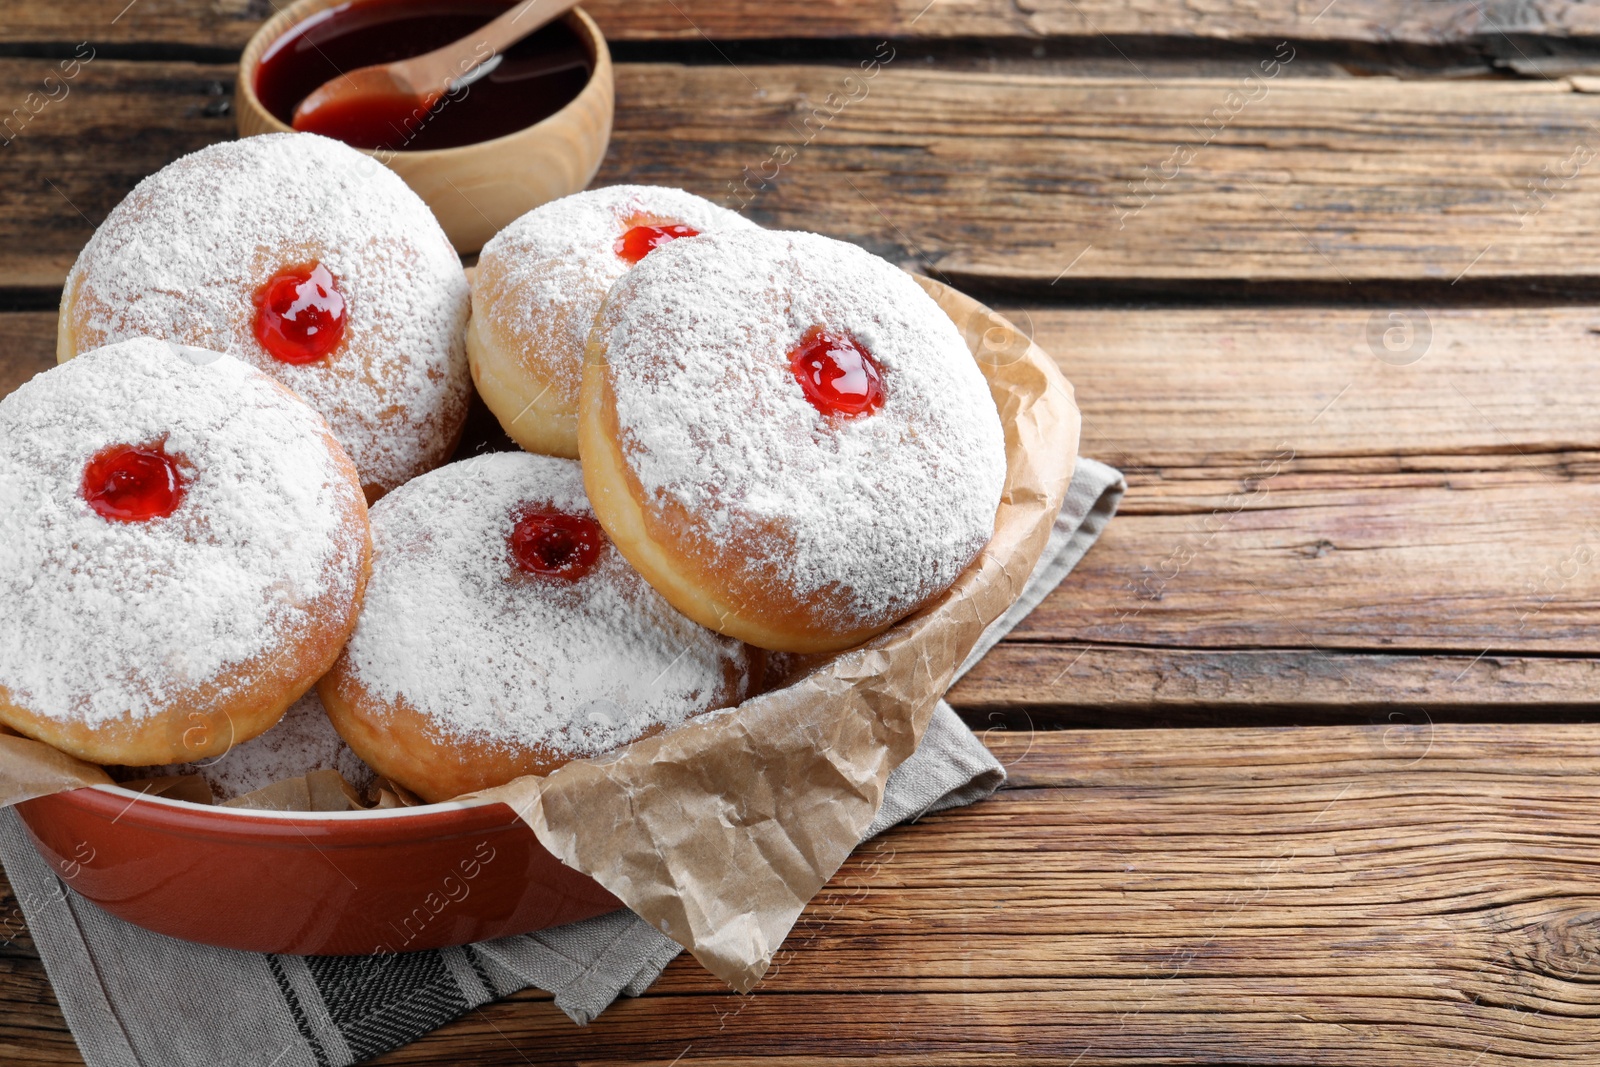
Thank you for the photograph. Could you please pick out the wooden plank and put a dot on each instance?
(1298, 502)
(68, 161)
(1472, 756)
(210, 24)
(1311, 896)
(32, 1029)
(1512, 565)
(229, 23)
(1095, 181)
(1001, 178)
(1390, 391)
(1376, 21)
(1294, 491)
(30, 346)
(1025, 685)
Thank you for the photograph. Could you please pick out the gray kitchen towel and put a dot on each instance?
(138, 999)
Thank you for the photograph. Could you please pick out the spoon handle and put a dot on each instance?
(437, 70)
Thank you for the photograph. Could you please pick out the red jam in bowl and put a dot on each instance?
(533, 79)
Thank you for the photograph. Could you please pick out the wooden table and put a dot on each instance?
(1301, 769)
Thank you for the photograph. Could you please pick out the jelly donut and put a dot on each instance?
(310, 261)
(504, 635)
(301, 742)
(183, 547)
(787, 437)
(538, 285)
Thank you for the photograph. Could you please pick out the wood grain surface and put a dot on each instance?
(29, 346)
(993, 179)
(227, 24)
(1382, 895)
(1046, 684)
(1340, 326)
(1345, 520)
(70, 160)
(1065, 181)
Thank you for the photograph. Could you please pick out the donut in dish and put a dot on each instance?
(538, 285)
(312, 262)
(183, 547)
(503, 635)
(301, 742)
(787, 437)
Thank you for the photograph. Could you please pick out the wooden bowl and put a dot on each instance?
(476, 189)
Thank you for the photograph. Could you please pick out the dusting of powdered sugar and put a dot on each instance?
(303, 741)
(101, 619)
(868, 516)
(546, 274)
(184, 254)
(491, 654)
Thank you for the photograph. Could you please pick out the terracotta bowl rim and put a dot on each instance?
(189, 809)
(287, 18)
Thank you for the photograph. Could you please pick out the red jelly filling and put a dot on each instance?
(640, 241)
(837, 374)
(300, 314)
(131, 483)
(554, 545)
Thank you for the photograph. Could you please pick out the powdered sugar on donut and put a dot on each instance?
(862, 518)
(303, 741)
(100, 619)
(489, 653)
(183, 256)
(542, 278)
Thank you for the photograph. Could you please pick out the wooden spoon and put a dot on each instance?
(400, 95)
